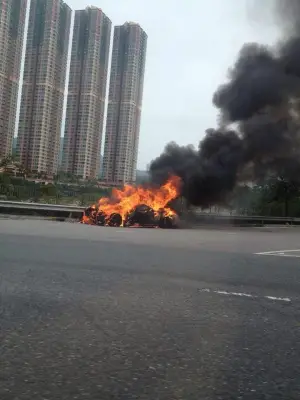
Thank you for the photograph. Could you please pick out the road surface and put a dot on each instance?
(107, 313)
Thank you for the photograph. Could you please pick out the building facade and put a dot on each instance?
(12, 26)
(124, 104)
(42, 100)
(86, 93)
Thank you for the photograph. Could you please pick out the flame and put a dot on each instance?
(123, 201)
(87, 220)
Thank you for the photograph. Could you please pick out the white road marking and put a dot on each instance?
(237, 294)
(233, 293)
(277, 251)
(280, 253)
(278, 298)
(286, 255)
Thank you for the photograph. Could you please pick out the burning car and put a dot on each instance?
(136, 207)
(147, 217)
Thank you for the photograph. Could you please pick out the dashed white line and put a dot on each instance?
(237, 294)
(233, 293)
(286, 299)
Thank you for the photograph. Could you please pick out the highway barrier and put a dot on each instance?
(241, 220)
(58, 211)
(62, 212)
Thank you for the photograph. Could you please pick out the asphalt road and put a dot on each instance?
(104, 313)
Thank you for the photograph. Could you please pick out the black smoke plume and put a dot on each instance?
(262, 98)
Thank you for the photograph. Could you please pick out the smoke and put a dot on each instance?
(261, 98)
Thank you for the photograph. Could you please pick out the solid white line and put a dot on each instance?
(271, 254)
(277, 251)
(279, 255)
(282, 255)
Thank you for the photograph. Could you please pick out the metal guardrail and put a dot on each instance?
(244, 219)
(64, 211)
(51, 210)
(40, 206)
(254, 217)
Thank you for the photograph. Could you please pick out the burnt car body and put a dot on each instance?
(141, 216)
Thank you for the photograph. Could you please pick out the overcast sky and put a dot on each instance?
(190, 47)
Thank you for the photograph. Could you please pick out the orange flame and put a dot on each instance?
(123, 201)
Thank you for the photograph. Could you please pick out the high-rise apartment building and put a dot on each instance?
(43, 85)
(12, 25)
(125, 103)
(86, 94)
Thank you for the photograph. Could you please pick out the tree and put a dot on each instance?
(242, 198)
(48, 190)
(277, 196)
(5, 161)
(285, 190)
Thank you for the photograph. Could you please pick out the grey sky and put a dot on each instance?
(190, 47)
